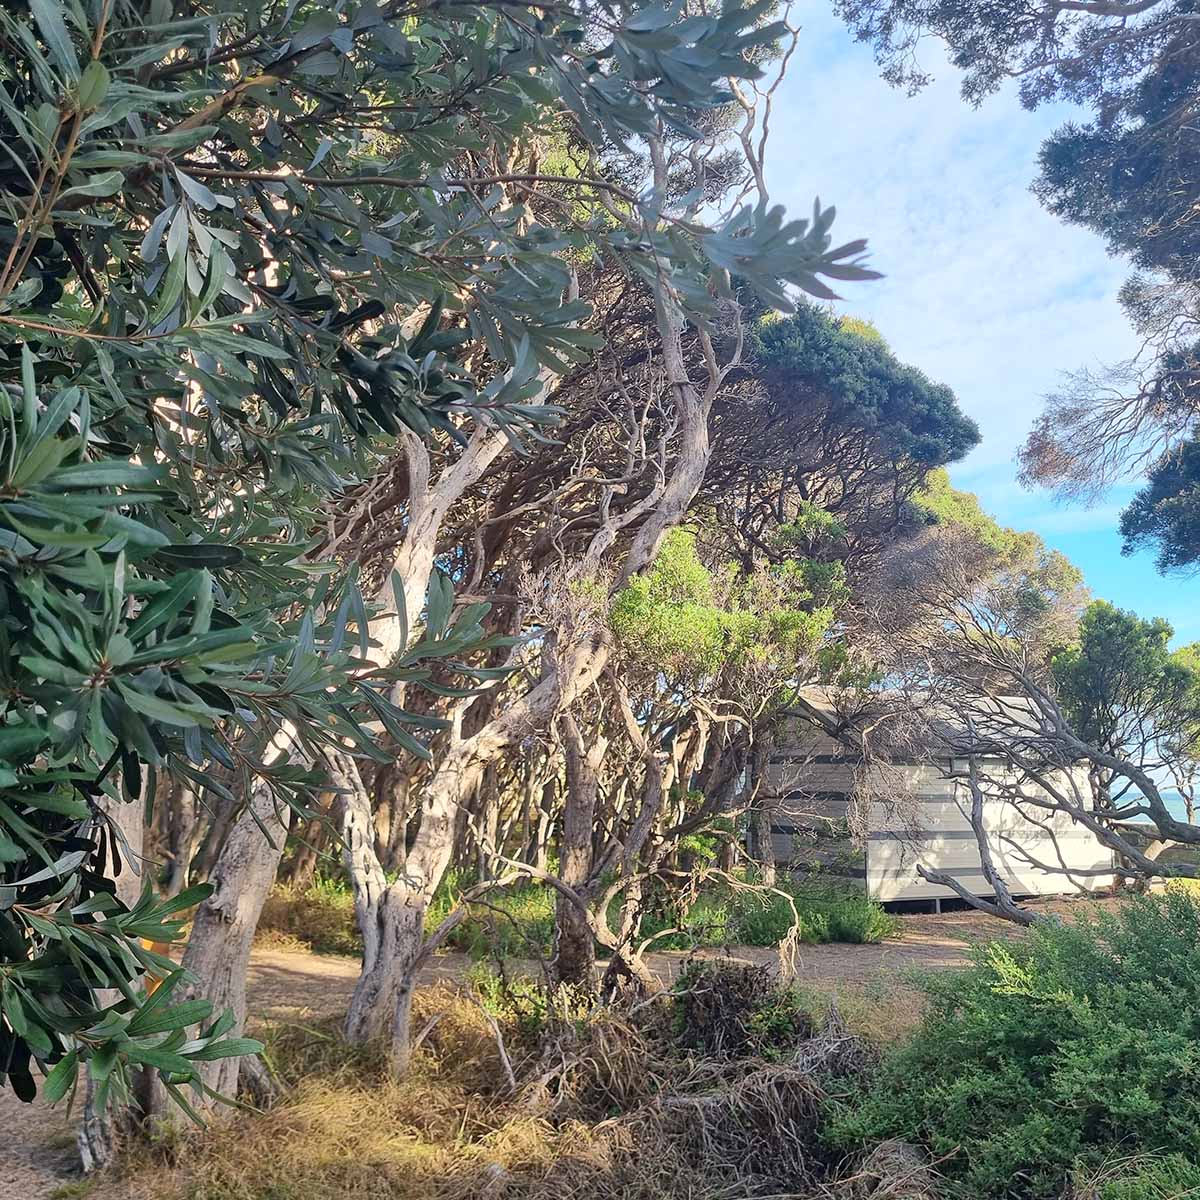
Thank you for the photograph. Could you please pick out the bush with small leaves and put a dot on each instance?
(1043, 1056)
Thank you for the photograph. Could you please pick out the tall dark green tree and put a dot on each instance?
(836, 424)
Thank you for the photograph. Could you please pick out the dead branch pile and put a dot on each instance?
(893, 1171)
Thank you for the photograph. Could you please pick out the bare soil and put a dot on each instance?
(37, 1152)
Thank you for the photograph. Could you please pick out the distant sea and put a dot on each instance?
(1175, 803)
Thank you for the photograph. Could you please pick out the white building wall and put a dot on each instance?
(921, 818)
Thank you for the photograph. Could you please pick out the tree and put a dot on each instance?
(1165, 514)
(1123, 691)
(1086, 51)
(1076, 724)
(242, 253)
(833, 423)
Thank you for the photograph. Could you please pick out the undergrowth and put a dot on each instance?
(518, 922)
(604, 1103)
(1046, 1055)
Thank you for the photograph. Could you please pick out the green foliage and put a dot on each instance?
(528, 1003)
(236, 259)
(1165, 514)
(720, 916)
(810, 524)
(811, 357)
(1045, 1055)
(863, 329)
(1122, 688)
(938, 502)
(685, 620)
(1083, 52)
(518, 921)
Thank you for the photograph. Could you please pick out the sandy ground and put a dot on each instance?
(37, 1155)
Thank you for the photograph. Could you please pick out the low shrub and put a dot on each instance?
(721, 916)
(320, 916)
(518, 922)
(1045, 1055)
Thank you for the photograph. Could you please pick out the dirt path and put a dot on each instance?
(37, 1155)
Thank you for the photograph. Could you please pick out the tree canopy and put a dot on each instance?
(244, 252)
(836, 423)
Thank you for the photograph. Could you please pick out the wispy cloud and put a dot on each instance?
(984, 289)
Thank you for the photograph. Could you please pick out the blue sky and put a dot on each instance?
(984, 290)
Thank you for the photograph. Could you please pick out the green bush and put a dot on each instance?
(518, 922)
(321, 916)
(1043, 1056)
(720, 916)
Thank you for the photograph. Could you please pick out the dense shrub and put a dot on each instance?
(320, 916)
(720, 917)
(1047, 1055)
(516, 922)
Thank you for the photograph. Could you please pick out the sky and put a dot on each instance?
(983, 289)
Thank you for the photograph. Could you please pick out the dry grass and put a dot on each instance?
(605, 1108)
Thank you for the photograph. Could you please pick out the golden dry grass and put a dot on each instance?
(603, 1109)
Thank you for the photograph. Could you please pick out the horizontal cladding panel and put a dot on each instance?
(954, 813)
(799, 810)
(892, 866)
(910, 886)
(949, 854)
(787, 777)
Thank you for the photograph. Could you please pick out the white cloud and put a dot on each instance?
(985, 291)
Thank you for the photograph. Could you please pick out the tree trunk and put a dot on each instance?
(301, 868)
(183, 837)
(487, 823)
(762, 807)
(539, 852)
(99, 1133)
(574, 959)
(384, 989)
(218, 951)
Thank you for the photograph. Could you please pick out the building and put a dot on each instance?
(874, 823)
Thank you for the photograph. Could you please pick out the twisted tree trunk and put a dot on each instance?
(574, 948)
